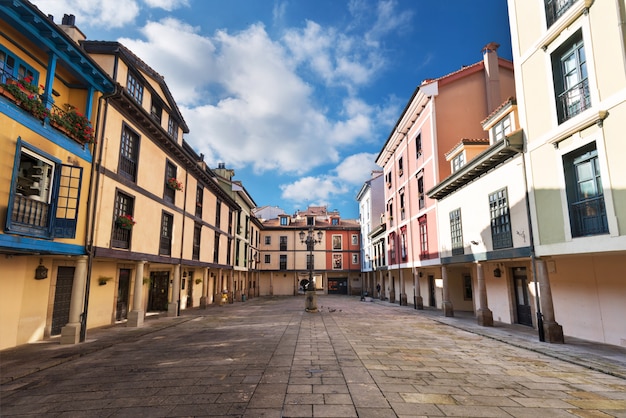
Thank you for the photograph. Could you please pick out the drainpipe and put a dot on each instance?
(94, 183)
(533, 262)
(182, 237)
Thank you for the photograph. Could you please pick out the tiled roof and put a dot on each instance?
(510, 101)
(468, 141)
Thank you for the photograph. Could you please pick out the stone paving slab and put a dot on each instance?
(268, 358)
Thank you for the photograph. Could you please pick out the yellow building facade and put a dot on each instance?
(49, 93)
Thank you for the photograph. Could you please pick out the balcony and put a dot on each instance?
(557, 8)
(573, 101)
(589, 217)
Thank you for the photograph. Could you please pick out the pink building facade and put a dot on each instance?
(440, 113)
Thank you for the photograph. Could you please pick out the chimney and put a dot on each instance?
(68, 25)
(222, 171)
(492, 76)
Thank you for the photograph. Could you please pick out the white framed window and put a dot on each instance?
(458, 162)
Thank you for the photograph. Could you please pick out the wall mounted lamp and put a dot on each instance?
(41, 272)
(497, 272)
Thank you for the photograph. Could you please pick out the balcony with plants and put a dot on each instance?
(29, 97)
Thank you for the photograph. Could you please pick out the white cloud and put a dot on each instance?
(357, 168)
(168, 5)
(176, 50)
(320, 190)
(108, 14)
(388, 19)
(337, 59)
(312, 190)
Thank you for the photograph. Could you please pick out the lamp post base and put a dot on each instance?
(310, 301)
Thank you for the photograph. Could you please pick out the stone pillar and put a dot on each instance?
(172, 307)
(419, 301)
(403, 298)
(552, 330)
(448, 309)
(205, 287)
(70, 333)
(483, 315)
(271, 283)
(212, 287)
(392, 289)
(136, 316)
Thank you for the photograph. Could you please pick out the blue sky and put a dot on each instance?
(298, 97)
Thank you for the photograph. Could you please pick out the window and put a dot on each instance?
(218, 213)
(400, 167)
(355, 259)
(456, 232)
(310, 221)
(418, 145)
(571, 84)
(11, 67)
(134, 88)
(44, 195)
(284, 221)
(216, 247)
(337, 262)
(230, 221)
(403, 249)
(199, 200)
(123, 206)
(229, 245)
(402, 213)
(421, 196)
(337, 243)
(500, 220)
(268, 239)
(388, 179)
(129, 153)
(585, 197)
(197, 231)
(355, 239)
(391, 245)
(156, 110)
(556, 8)
(268, 259)
(334, 221)
(165, 241)
(283, 243)
(423, 228)
(169, 194)
(237, 249)
(467, 287)
(458, 162)
(501, 129)
(172, 128)
(283, 262)
(310, 261)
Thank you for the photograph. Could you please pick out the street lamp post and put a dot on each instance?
(310, 301)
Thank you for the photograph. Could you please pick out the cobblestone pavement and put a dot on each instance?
(268, 358)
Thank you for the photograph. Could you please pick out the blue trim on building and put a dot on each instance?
(46, 35)
(44, 129)
(19, 244)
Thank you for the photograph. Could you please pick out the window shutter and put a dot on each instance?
(68, 198)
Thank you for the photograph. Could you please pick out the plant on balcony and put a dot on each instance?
(125, 222)
(74, 124)
(26, 95)
(174, 184)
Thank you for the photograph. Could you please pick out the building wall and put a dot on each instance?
(590, 309)
(585, 271)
